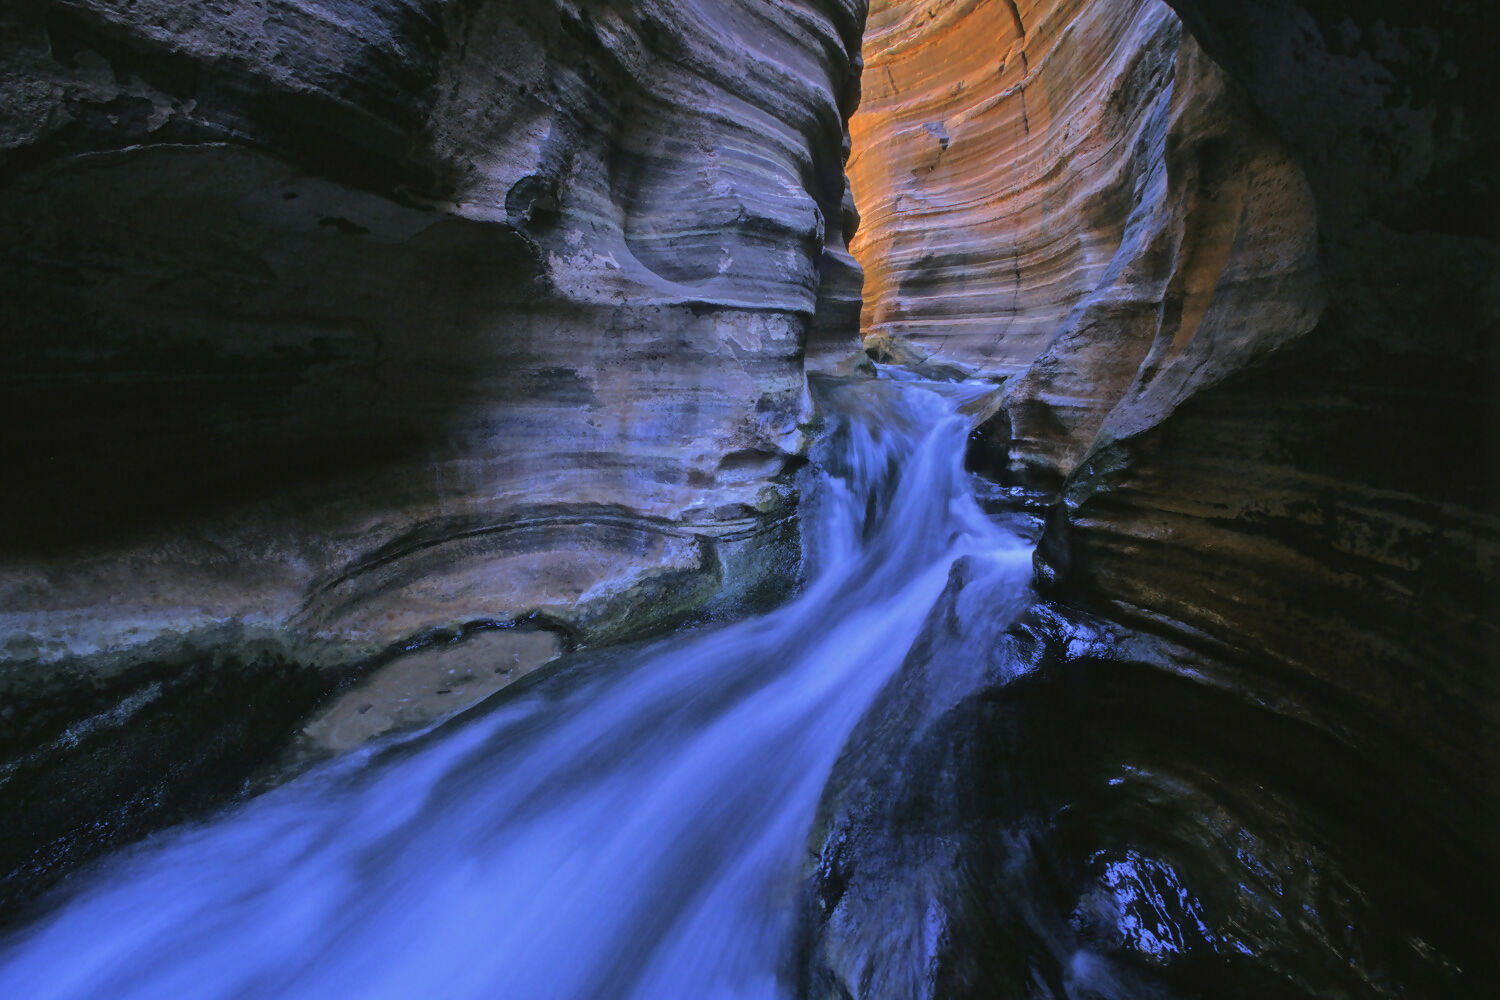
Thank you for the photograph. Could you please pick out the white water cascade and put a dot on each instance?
(632, 827)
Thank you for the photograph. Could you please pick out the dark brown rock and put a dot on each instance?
(1327, 504)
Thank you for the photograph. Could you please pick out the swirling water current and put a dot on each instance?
(633, 828)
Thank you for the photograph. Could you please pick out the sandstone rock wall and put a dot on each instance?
(1261, 386)
(1249, 386)
(1093, 212)
(377, 317)
(1269, 579)
(342, 331)
(1000, 149)
(1323, 507)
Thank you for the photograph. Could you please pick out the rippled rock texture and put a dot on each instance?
(1248, 348)
(1314, 494)
(999, 149)
(345, 322)
(308, 300)
(1088, 207)
(1260, 304)
(333, 326)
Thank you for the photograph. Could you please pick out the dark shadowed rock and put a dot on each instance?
(1260, 379)
(329, 325)
(1078, 809)
(1247, 743)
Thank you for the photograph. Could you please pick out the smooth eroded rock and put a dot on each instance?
(335, 325)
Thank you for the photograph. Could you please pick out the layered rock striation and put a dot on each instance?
(1303, 498)
(1239, 380)
(1257, 392)
(1061, 210)
(999, 149)
(308, 299)
(335, 326)
(389, 334)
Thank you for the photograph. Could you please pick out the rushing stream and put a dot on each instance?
(635, 825)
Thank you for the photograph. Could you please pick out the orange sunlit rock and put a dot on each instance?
(989, 165)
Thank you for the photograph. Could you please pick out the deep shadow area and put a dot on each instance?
(193, 330)
(166, 739)
(1106, 816)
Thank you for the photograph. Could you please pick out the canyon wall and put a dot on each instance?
(1314, 495)
(1241, 281)
(1064, 209)
(308, 300)
(1245, 317)
(336, 330)
(331, 326)
(999, 151)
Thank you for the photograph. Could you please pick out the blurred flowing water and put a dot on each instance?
(635, 825)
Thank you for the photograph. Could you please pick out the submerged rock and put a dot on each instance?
(94, 755)
(426, 685)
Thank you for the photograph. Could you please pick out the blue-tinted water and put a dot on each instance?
(636, 827)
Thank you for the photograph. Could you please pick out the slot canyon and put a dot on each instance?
(685, 499)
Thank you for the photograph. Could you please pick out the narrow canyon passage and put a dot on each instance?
(893, 786)
(776, 499)
(632, 826)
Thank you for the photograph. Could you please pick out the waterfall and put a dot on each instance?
(634, 825)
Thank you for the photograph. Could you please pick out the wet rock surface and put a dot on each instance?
(1255, 713)
(426, 685)
(106, 751)
(332, 325)
(337, 333)
(1071, 808)
(1247, 406)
